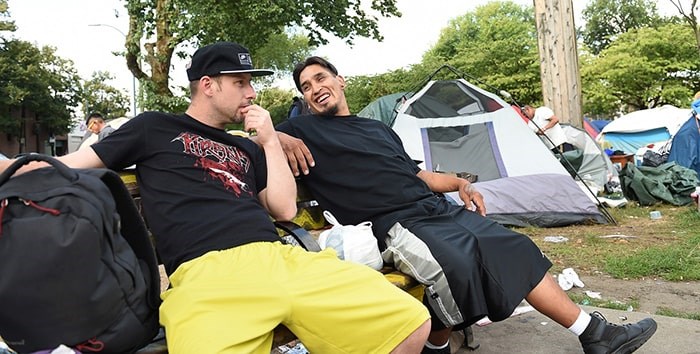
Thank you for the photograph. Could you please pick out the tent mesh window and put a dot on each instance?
(451, 99)
(448, 144)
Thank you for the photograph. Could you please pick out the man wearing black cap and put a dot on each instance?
(472, 267)
(208, 197)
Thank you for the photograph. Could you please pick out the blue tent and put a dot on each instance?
(685, 149)
(638, 129)
(599, 124)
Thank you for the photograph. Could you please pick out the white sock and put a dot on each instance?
(581, 323)
(433, 346)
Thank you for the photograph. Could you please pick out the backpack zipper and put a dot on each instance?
(91, 345)
(30, 203)
(3, 205)
(54, 212)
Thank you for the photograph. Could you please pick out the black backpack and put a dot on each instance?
(77, 266)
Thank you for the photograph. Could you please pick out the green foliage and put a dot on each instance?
(642, 68)
(251, 22)
(151, 100)
(5, 23)
(276, 101)
(38, 80)
(259, 25)
(281, 51)
(497, 45)
(607, 19)
(100, 97)
(362, 90)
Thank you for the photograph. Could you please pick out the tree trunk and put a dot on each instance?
(561, 80)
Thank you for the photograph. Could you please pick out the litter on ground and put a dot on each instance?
(555, 239)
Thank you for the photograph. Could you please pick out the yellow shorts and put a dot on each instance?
(230, 301)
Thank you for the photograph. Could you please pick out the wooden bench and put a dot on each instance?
(302, 230)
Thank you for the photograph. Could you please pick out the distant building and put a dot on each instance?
(32, 137)
(77, 135)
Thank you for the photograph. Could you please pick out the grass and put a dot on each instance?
(583, 299)
(677, 262)
(637, 247)
(672, 313)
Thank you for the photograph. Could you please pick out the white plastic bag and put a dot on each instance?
(355, 243)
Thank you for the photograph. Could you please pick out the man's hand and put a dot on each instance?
(298, 155)
(444, 183)
(258, 122)
(473, 200)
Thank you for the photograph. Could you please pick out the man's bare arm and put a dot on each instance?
(298, 155)
(552, 121)
(84, 158)
(279, 196)
(443, 183)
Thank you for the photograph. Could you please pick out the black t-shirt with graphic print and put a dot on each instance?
(199, 185)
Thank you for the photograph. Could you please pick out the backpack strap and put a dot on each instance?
(133, 228)
(64, 170)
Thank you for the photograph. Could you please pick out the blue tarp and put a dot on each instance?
(631, 142)
(685, 148)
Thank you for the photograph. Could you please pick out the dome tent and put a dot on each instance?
(455, 126)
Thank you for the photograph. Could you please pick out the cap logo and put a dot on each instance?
(244, 58)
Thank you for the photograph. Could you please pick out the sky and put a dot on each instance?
(65, 25)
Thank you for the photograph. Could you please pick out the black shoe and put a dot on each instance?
(445, 350)
(603, 337)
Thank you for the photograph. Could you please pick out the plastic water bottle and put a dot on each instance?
(335, 241)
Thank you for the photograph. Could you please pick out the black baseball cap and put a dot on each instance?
(222, 58)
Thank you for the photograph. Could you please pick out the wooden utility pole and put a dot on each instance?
(561, 80)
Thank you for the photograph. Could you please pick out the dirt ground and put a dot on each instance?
(643, 231)
(651, 294)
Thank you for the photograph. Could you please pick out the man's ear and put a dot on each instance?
(341, 79)
(206, 84)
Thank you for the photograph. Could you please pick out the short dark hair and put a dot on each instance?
(94, 115)
(308, 62)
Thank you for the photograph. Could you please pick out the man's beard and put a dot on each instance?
(330, 111)
(237, 119)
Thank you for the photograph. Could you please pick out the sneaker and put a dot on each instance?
(445, 350)
(603, 337)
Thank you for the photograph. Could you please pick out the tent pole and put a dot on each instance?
(604, 210)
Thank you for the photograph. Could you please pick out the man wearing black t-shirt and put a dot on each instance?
(472, 267)
(208, 197)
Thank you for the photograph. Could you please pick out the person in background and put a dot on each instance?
(546, 125)
(96, 124)
(471, 266)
